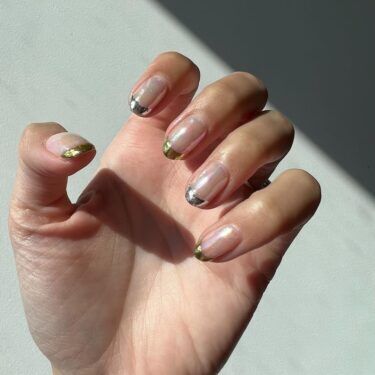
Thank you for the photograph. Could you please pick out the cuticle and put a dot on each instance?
(138, 85)
(182, 117)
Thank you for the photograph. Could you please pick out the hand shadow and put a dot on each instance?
(149, 227)
(153, 230)
(111, 199)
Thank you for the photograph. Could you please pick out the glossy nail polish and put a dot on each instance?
(68, 145)
(218, 242)
(208, 184)
(148, 95)
(184, 137)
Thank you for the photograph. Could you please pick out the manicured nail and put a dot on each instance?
(218, 242)
(184, 137)
(68, 145)
(148, 95)
(208, 184)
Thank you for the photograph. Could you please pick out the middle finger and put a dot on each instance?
(217, 110)
(262, 141)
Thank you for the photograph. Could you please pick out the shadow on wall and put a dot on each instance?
(317, 59)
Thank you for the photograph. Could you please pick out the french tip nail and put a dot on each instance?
(192, 198)
(169, 152)
(199, 254)
(136, 108)
(78, 150)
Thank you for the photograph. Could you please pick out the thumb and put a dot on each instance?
(48, 154)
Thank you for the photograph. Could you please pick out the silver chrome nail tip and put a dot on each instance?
(137, 108)
(193, 199)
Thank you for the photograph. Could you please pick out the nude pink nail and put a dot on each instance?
(218, 242)
(184, 137)
(208, 184)
(148, 95)
(68, 145)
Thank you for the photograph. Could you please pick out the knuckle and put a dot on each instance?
(245, 76)
(170, 55)
(251, 143)
(284, 123)
(35, 127)
(281, 119)
(269, 209)
(311, 183)
(23, 223)
(30, 129)
(303, 176)
(192, 64)
(32, 133)
(219, 89)
(274, 212)
(307, 181)
(16, 225)
(27, 134)
(178, 58)
(227, 89)
(253, 80)
(257, 145)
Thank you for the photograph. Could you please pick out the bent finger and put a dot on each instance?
(165, 88)
(48, 154)
(216, 111)
(259, 143)
(284, 205)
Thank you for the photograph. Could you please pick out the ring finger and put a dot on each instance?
(285, 205)
(260, 142)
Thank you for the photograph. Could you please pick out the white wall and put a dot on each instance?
(74, 62)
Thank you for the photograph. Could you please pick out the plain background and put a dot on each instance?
(74, 62)
(316, 58)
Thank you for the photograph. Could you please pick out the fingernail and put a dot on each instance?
(148, 95)
(68, 145)
(208, 184)
(184, 137)
(218, 242)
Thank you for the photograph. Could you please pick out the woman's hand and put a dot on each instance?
(109, 283)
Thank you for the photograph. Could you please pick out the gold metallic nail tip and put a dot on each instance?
(169, 152)
(199, 254)
(78, 150)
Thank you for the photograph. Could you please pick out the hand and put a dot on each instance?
(109, 283)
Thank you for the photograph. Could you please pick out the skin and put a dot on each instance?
(109, 283)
